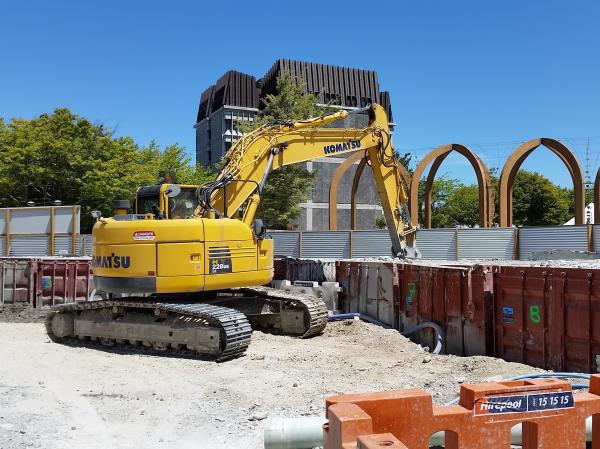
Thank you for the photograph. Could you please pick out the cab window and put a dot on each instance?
(184, 204)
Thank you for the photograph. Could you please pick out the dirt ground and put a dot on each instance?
(55, 396)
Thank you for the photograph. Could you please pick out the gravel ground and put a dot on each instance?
(55, 396)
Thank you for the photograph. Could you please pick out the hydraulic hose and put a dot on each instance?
(439, 332)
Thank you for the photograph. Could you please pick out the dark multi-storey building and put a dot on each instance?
(237, 97)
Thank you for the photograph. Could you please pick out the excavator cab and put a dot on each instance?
(166, 201)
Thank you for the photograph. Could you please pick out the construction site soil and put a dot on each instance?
(55, 396)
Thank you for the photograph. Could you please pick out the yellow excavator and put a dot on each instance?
(178, 273)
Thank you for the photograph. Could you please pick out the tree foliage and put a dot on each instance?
(62, 156)
(288, 186)
(175, 162)
(536, 201)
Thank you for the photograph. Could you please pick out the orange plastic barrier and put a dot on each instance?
(552, 416)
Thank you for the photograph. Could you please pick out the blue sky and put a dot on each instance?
(488, 74)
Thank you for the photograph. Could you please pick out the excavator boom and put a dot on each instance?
(281, 143)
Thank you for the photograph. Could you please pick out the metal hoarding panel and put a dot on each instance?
(286, 243)
(348, 275)
(34, 220)
(2, 221)
(478, 310)
(2, 246)
(15, 280)
(280, 268)
(310, 270)
(596, 237)
(549, 238)
(418, 297)
(453, 312)
(63, 280)
(521, 316)
(437, 244)
(377, 292)
(574, 330)
(386, 312)
(62, 245)
(63, 219)
(425, 303)
(84, 242)
(29, 245)
(88, 246)
(409, 296)
(362, 288)
(547, 317)
(371, 243)
(486, 243)
(326, 245)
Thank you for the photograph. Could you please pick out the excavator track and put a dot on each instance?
(198, 329)
(286, 308)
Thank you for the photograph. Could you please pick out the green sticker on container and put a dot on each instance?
(412, 291)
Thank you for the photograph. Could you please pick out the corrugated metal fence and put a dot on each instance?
(440, 244)
(434, 244)
(41, 231)
(533, 240)
(39, 246)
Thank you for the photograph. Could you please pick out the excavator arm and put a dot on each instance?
(239, 183)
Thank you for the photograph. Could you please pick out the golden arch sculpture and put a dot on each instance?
(486, 204)
(335, 181)
(514, 162)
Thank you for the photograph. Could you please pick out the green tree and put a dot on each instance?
(538, 202)
(175, 162)
(380, 222)
(289, 185)
(462, 206)
(441, 190)
(62, 156)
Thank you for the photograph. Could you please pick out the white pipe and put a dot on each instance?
(307, 433)
(294, 433)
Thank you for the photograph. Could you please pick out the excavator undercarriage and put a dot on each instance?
(217, 328)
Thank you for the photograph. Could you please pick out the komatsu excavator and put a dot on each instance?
(177, 274)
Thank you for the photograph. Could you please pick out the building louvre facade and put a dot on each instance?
(237, 97)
